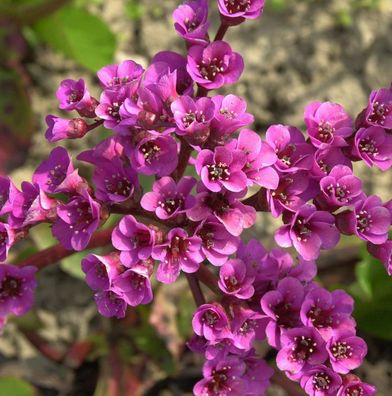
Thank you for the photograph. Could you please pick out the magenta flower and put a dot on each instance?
(328, 124)
(214, 65)
(210, 321)
(300, 346)
(62, 128)
(339, 188)
(374, 146)
(246, 327)
(379, 109)
(324, 160)
(288, 195)
(369, 220)
(57, 174)
(110, 304)
(226, 207)
(169, 199)
(176, 62)
(217, 244)
(281, 307)
(257, 375)
(354, 386)
(7, 239)
(309, 230)
(133, 286)
(328, 311)
(230, 115)
(100, 270)
(110, 103)
(320, 381)
(191, 21)
(289, 145)
(346, 352)
(154, 155)
(260, 158)
(8, 192)
(236, 11)
(115, 76)
(236, 279)
(222, 168)
(77, 221)
(179, 252)
(193, 118)
(31, 206)
(135, 240)
(16, 289)
(73, 95)
(115, 181)
(222, 378)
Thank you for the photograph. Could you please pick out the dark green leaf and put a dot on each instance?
(375, 318)
(79, 35)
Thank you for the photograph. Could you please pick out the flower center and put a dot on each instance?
(341, 350)
(364, 221)
(368, 146)
(75, 96)
(170, 205)
(218, 171)
(137, 281)
(379, 112)
(118, 185)
(56, 176)
(285, 154)
(321, 381)
(234, 6)
(178, 247)
(113, 110)
(210, 318)
(10, 287)
(319, 317)
(231, 283)
(304, 347)
(150, 151)
(354, 390)
(197, 116)
(325, 131)
(302, 231)
(340, 192)
(209, 69)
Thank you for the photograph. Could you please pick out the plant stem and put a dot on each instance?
(56, 253)
(185, 153)
(196, 289)
(221, 31)
(205, 276)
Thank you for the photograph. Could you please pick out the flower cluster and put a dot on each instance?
(268, 296)
(202, 159)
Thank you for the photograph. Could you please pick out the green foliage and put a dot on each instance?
(134, 9)
(79, 35)
(373, 295)
(16, 114)
(15, 387)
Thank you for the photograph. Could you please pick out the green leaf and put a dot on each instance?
(375, 318)
(15, 387)
(79, 35)
(373, 280)
(134, 10)
(16, 115)
(71, 265)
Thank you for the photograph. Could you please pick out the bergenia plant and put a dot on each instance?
(212, 173)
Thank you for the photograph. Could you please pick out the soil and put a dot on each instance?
(294, 56)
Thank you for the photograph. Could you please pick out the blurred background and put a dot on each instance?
(299, 51)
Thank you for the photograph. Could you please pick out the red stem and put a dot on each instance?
(185, 153)
(56, 253)
(221, 31)
(195, 289)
